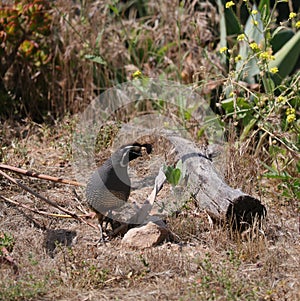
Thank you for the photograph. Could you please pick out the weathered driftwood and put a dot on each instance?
(210, 190)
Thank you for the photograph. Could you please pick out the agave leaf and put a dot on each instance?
(248, 67)
(223, 33)
(233, 26)
(248, 128)
(286, 58)
(280, 37)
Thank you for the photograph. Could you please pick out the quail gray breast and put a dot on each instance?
(109, 186)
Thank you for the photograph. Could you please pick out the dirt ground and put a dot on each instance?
(58, 259)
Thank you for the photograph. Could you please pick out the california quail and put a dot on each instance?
(109, 186)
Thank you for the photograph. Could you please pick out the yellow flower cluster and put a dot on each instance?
(238, 58)
(223, 49)
(241, 37)
(137, 74)
(292, 15)
(291, 116)
(274, 70)
(229, 4)
(281, 99)
(266, 56)
(254, 46)
(297, 24)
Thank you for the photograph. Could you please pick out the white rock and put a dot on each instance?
(146, 236)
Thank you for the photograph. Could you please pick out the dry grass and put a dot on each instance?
(165, 42)
(57, 258)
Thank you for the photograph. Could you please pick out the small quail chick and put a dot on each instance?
(109, 186)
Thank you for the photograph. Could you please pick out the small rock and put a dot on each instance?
(146, 236)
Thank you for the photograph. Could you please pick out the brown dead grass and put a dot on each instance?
(57, 259)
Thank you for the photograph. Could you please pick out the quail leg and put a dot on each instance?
(100, 226)
(121, 229)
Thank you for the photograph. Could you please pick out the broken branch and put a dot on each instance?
(49, 202)
(34, 174)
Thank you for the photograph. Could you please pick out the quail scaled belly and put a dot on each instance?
(109, 186)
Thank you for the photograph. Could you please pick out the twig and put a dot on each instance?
(294, 151)
(38, 211)
(9, 259)
(49, 202)
(34, 174)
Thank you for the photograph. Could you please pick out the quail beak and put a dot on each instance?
(136, 149)
(148, 148)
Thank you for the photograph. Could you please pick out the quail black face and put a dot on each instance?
(133, 151)
(126, 154)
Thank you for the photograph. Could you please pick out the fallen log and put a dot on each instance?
(200, 179)
(210, 191)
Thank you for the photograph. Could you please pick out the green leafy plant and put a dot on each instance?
(252, 65)
(6, 241)
(25, 53)
(289, 185)
(173, 174)
(261, 91)
(28, 288)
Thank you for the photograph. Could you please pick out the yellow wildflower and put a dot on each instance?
(137, 74)
(229, 4)
(290, 111)
(291, 118)
(266, 55)
(274, 70)
(297, 24)
(254, 12)
(281, 99)
(254, 22)
(223, 49)
(254, 46)
(241, 37)
(238, 58)
(292, 15)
